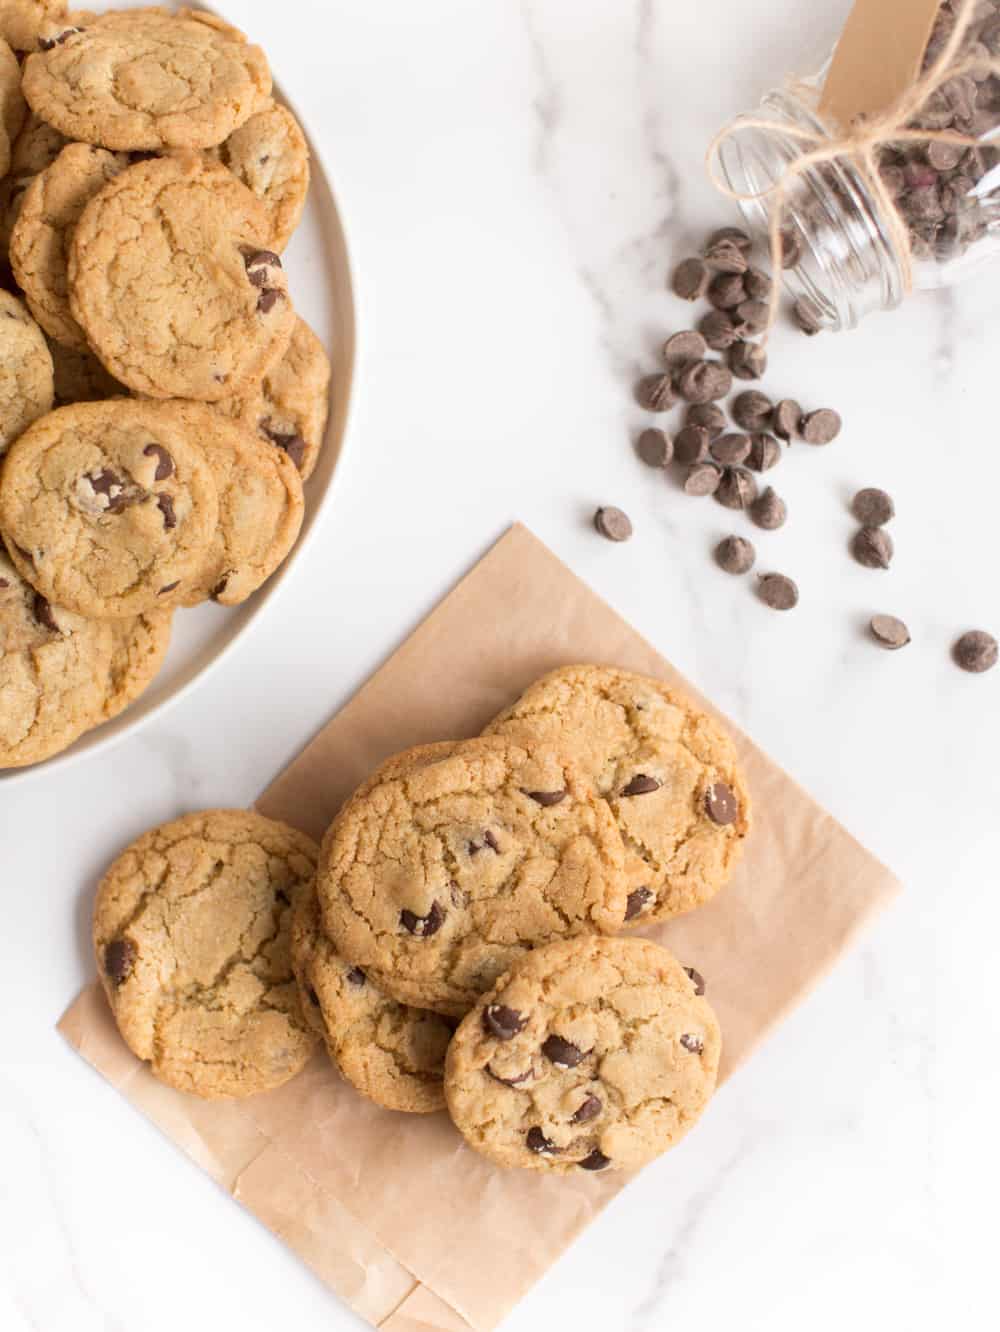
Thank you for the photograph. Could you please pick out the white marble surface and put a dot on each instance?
(517, 179)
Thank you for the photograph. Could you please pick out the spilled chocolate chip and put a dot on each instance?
(684, 347)
(769, 511)
(697, 978)
(641, 784)
(791, 248)
(562, 1053)
(889, 632)
(423, 926)
(778, 592)
(707, 416)
(692, 445)
(807, 318)
(166, 506)
(613, 524)
(690, 280)
(704, 478)
(752, 410)
(724, 257)
(718, 330)
(655, 448)
(595, 1161)
(747, 360)
(731, 450)
(786, 418)
(356, 977)
(734, 235)
(735, 555)
(765, 452)
(536, 1141)
(873, 507)
(502, 1022)
(726, 291)
(637, 902)
(42, 611)
(873, 548)
(758, 284)
(976, 652)
(655, 393)
(545, 798)
(750, 318)
(694, 1044)
(119, 959)
(737, 489)
(820, 427)
(721, 805)
(704, 381)
(589, 1110)
(164, 462)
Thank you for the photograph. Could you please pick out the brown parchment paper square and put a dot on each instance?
(332, 1175)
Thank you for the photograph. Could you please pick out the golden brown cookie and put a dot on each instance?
(447, 865)
(668, 771)
(149, 79)
(269, 154)
(192, 933)
(26, 382)
(23, 21)
(138, 647)
(36, 147)
(12, 105)
(592, 1054)
(109, 508)
(171, 281)
(389, 1052)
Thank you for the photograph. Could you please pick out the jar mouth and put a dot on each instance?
(849, 266)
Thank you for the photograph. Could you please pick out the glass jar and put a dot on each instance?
(845, 255)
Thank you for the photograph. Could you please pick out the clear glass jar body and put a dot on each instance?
(852, 254)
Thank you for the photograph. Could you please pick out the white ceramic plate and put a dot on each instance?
(319, 276)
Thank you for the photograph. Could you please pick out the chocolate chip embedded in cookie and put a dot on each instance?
(192, 934)
(453, 860)
(189, 303)
(269, 154)
(23, 21)
(94, 519)
(606, 1056)
(147, 80)
(26, 380)
(668, 771)
(391, 1053)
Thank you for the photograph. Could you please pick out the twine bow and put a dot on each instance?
(862, 143)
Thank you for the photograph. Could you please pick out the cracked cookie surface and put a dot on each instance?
(149, 79)
(36, 147)
(389, 1052)
(192, 934)
(108, 508)
(171, 279)
(260, 506)
(668, 771)
(39, 246)
(592, 1054)
(53, 668)
(453, 860)
(26, 372)
(290, 406)
(269, 154)
(138, 647)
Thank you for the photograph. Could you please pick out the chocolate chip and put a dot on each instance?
(718, 330)
(726, 291)
(120, 958)
(769, 510)
(751, 318)
(692, 445)
(595, 1161)
(684, 347)
(693, 1043)
(721, 804)
(765, 452)
(734, 235)
(807, 317)
(50, 43)
(423, 926)
(873, 548)
(641, 785)
(730, 450)
(42, 611)
(758, 284)
(488, 841)
(166, 506)
(168, 588)
(737, 489)
(778, 592)
(747, 360)
(545, 798)
(820, 427)
(164, 462)
(976, 652)
(220, 586)
(699, 980)
(502, 1022)
(735, 555)
(703, 478)
(356, 977)
(706, 415)
(787, 415)
(655, 393)
(655, 448)
(873, 508)
(293, 444)
(536, 1141)
(268, 299)
(725, 257)
(312, 996)
(258, 263)
(612, 523)
(889, 632)
(690, 280)
(118, 492)
(637, 902)
(589, 1110)
(791, 248)
(704, 381)
(518, 1081)
(752, 410)
(562, 1053)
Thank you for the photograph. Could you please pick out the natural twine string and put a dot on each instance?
(862, 144)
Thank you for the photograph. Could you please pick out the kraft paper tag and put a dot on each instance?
(878, 57)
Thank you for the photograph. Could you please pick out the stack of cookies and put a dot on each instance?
(451, 943)
(161, 403)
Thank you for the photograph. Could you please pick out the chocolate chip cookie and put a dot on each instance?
(269, 154)
(591, 1054)
(389, 1052)
(36, 147)
(442, 871)
(171, 279)
(290, 405)
(26, 382)
(109, 508)
(138, 647)
(260, 506)
(22, 21)
(192, 932)
(53, 669)
(669, 773)
(148, 79)
(12, 104)
(39, 245)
